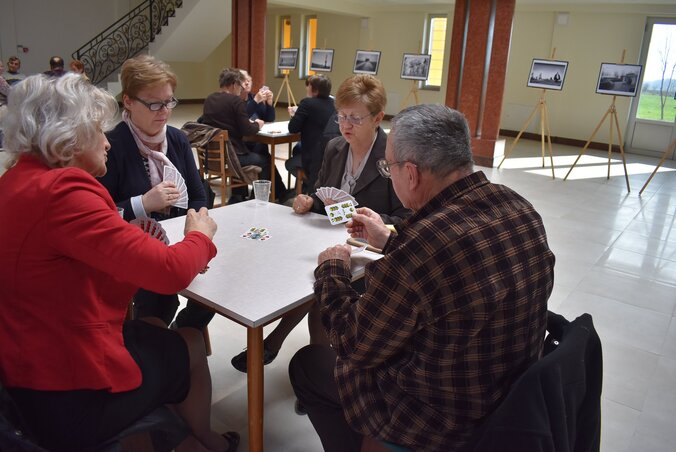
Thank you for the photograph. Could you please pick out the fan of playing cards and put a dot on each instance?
(152, 227)
(336, 194)
(171, 174)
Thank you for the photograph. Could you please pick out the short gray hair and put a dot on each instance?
(434, 137)
(56, 118)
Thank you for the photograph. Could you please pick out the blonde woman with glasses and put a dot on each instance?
(142, 147)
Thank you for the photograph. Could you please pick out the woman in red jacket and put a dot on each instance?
(78, 372)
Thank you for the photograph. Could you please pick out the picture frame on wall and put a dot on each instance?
(321, 60)
(366, 62)
(415, 66)
(619, 79)
(547, 74)
(288, 59)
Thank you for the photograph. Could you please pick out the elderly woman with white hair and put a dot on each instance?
(77, 370)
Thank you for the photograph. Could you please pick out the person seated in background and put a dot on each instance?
(258, 106)
(4, 86)
(453, 313)
(349, 164)
(77, 371)
(55, 67)
(142, 145)
(77, 67)
(13, 75)
(310, 119)
(226, 110)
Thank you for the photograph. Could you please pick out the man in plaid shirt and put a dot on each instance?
(452, 313)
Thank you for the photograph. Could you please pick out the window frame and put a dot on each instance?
(427, 49)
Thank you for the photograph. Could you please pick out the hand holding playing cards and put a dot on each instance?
(160, 196)
(342, 252)
(200, 222)
(366, 224)
(302, 204)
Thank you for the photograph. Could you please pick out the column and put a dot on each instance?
(248, 37)
(476, 72)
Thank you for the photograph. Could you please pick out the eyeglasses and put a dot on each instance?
(384, 167)
(354, 120)
(157, 106)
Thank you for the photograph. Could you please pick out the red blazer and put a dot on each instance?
(68, 267)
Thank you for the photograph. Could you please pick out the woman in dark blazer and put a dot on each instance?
(142, 145)
(349, 164)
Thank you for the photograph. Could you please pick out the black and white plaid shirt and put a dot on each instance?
(452, 314)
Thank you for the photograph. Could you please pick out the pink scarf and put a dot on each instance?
(157, 160)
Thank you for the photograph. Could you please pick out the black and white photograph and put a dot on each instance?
(619, 79)
(366, 62)
(415, 66)
(287, 58)
(321, 60)
(547, 74)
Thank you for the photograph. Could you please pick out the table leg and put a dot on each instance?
(254, 366)
(273, 166)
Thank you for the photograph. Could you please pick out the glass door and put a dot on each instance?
(652, 124)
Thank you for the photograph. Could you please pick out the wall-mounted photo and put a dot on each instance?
(619, 79)
(547, 74)
(288, 58)
(321, 60)
(415, 66)
(366, 62)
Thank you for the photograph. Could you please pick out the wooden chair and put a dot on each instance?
(219, 162)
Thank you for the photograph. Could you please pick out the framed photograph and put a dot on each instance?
(619, 79)
(415, 66)
(366, 62)
(547, 74)
(321, 60)
(288, 58)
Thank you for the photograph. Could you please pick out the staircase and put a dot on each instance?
(103, 55)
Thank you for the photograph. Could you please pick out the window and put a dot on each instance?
(435, 42)
(657, 100)
(310, 42)
(284, 38)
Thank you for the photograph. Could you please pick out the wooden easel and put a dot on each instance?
(541, 106)
(289, 93)
(413, 91)
(612, 113)
(669, 149)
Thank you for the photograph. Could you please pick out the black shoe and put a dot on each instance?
(239, 361)
(299, 408)
(233, 440)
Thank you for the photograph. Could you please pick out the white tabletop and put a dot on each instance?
(275, 128)
(254, 282)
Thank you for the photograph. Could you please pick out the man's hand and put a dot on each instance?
(366, 224)
(341, 252)
(302, 204)
(201, 222)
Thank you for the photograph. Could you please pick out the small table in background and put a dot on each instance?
(274, 133)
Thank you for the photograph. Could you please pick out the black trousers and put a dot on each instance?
(311, 374)
(151, 304)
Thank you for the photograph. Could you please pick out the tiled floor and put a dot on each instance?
(616, 259)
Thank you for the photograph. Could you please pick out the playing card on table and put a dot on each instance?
(259, 234)
(152, 228)
(340, 212)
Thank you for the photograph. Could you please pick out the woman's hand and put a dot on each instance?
(366, 224)
(200, 222)
(302, 204)
(160, 197)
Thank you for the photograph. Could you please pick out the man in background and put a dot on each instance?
(55, 67)
(13, 75)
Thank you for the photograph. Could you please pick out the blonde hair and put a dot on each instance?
(362, 89)
(145, 71)
(56, 118)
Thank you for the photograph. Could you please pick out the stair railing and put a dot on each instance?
(128, 36)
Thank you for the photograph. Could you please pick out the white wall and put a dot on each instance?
(51, 28)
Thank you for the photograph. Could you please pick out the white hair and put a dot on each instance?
(55, 118)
